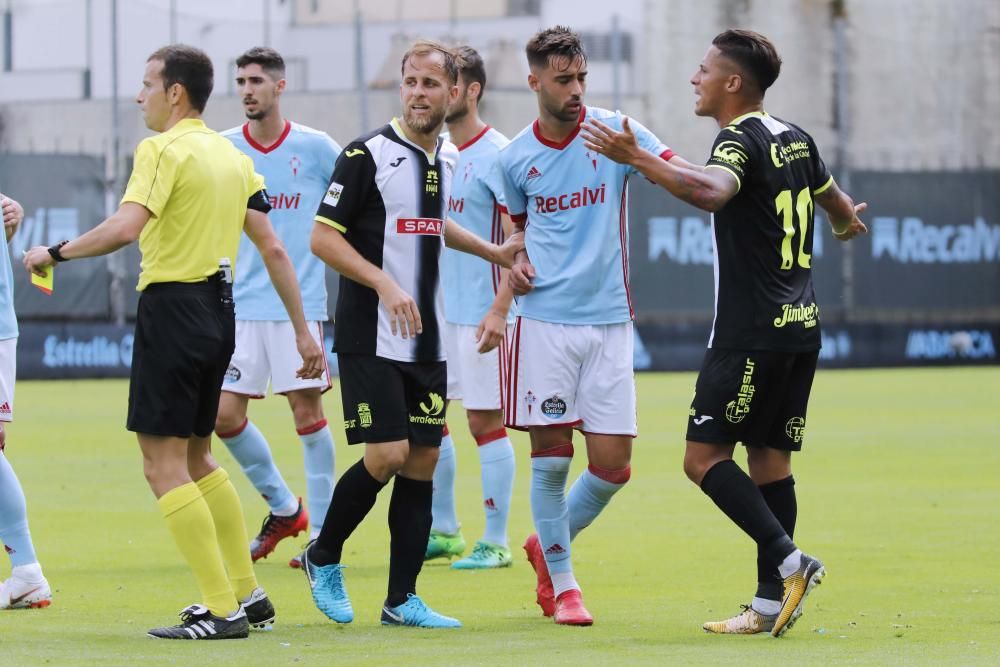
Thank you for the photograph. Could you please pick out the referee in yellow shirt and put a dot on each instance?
(190, 196)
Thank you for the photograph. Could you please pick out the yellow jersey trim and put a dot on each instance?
(739, 183)
(823, 188)
(327, 221)
(402, 135)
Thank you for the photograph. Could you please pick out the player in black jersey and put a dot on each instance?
(382, 226)
(761, 183)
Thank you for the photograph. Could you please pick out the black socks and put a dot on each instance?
(409, 527)
(353, 497)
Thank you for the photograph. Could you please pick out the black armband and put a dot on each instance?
(54, 251)
(259, 201)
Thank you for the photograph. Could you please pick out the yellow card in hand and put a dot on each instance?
(44, 284)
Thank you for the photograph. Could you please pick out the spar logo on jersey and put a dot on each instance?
(422, 226)
(571, 200)
(333, 192)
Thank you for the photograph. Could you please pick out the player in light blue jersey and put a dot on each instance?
(26, 587)
(477, 300)
(571, 350)
(296, 162)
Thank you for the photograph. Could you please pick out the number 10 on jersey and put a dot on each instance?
(804, 212)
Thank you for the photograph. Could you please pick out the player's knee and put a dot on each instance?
(482, 422)
(695, 465)
(385, 461)
(229, 423)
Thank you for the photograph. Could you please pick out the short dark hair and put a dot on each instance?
(470, 65)
(190, 67)
(269, 60)
(753, 53)
(425, 47)
(559, 42)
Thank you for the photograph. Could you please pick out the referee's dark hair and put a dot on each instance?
(470, 64)
(268, 59)
(426, 47)
(556, 42)
(191, 68)
(753, 53)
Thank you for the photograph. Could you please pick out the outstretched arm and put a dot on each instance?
(708, 189)
(842, 212)
(461, 239)
(282, 273)
(122, 228)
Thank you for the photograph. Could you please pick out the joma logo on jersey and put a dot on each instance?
(456, 205)
(425, 226)
(566, 202)
(282, 200)
(807, 314)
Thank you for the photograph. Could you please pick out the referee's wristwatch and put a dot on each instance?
(54, 251)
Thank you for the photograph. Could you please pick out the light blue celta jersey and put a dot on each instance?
(476, 202)
(296, 173)
(8, 321)
(574, 203)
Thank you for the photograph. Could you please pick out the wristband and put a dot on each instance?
(54, 251)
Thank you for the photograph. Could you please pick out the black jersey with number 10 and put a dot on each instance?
(764, 298)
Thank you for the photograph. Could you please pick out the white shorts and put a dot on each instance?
(473, 378)
(265, 350)
(572, 375)
(8, 371)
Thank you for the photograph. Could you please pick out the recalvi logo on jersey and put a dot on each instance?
(425, 226)
(570, 200)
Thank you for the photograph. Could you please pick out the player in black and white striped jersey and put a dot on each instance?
(382, 226)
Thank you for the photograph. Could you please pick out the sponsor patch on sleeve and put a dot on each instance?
(332, 197)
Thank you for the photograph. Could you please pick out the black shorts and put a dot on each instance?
(184, 338)
(756, 397)
(386, 400)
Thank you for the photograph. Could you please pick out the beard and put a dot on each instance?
(457, 113)
(426, 123)
(562, 113)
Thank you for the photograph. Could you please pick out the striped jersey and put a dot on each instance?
(389, 198)
(296, 169)
(764, 297)
(475, 203)
(573, 203)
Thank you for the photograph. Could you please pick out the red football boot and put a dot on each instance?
(276, 528)
(544, 594)
(570, 609)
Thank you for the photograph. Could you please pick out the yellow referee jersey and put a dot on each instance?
(196, 185)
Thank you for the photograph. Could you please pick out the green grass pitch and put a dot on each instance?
(897, 491)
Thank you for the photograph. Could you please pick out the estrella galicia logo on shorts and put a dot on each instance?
(232, 374)
(431, 411)
(553, 407)
(795, 429)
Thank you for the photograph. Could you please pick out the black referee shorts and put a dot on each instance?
(386, 400)
(757, 397)
(184, 338)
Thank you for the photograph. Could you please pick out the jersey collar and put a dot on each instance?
(474, 139)
(565, 142)
(752, 114)
(398, 129)
(266, 149)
